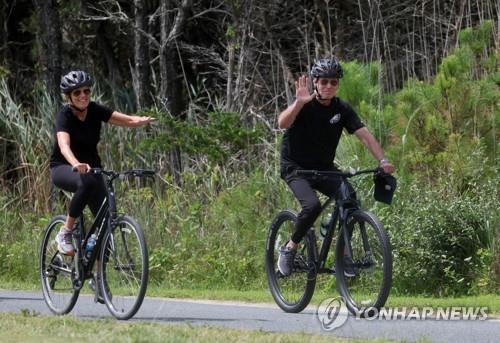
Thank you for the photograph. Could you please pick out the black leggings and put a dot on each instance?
(304, 191)
(89, 188)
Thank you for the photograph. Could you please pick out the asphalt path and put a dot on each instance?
(268, 317)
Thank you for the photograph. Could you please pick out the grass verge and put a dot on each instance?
(30, 327)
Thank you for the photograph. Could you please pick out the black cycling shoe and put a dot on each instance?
(285, 260)
(349, 268)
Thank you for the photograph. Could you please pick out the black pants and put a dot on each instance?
(305, 192)
(88, 188)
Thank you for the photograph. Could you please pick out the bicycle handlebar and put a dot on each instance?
(134, 172)
(336, 173)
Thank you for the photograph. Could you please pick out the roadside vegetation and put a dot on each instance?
(207, 232)
(28, 327)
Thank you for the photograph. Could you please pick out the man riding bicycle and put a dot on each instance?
(314, 124)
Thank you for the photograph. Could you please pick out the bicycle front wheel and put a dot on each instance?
(292, 293)
(56, 271)
(123, 275)
(364, 281)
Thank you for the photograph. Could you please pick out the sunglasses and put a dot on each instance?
(77, 92)
(333, 82)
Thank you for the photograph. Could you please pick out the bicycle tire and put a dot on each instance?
(56, 271)
(291, 293)
(368, 290)
(124, 268)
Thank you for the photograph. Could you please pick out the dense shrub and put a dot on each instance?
(440, 243)
(220, 244)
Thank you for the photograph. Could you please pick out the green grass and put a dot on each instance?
(31, 327)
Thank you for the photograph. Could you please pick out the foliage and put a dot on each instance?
(461, 102)
(19, 237)
(218, 137)
(224, 235)
(442, 237)
(208, 231)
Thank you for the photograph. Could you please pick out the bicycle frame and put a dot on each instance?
(343, 206)
(338, 219)
(105, 217)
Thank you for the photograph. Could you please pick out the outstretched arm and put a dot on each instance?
(121, 119)
(302, 96)
(373, 145)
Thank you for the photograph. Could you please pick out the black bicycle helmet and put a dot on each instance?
(74, 80)
(327, 67)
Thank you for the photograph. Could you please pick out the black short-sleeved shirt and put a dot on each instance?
(84, 135)
(311, 141)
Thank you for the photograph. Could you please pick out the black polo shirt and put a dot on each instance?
(311, 141)
(84, 135)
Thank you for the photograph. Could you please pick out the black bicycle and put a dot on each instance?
(120, 252)
(362, 263)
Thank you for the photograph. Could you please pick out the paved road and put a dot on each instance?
(268, 318)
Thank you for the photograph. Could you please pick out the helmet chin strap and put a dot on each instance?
(318, 96)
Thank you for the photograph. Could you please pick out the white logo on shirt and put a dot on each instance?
(335, 119)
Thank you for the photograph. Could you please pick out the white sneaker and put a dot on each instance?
(65, 242)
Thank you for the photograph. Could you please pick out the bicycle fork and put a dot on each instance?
(365, 260)
(346, 235)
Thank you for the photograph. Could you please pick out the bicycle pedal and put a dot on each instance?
(92, 284)
(330, 271)
(327, 271)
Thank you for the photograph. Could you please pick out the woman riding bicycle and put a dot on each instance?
(78, 128)
(314, 124)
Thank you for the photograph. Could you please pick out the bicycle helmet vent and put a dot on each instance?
(74, 80)
(327, 67)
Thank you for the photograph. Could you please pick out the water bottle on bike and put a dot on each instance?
(90, 246)
(325, 223)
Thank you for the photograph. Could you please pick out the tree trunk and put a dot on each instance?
(141, 73)
(171, 80)
(3, 33)
(230, 71)
(114, 77)
(50, 41)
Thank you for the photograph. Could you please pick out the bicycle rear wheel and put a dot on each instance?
(56, 271)
(124, 268)
(367, 291)
(292, 293)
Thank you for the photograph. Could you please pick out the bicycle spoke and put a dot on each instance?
(372, 264)
(56, 272)
(125, 268)
(292, 293)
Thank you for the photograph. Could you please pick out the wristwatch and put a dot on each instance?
(383, 160)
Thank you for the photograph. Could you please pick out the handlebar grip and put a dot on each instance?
(142, 172)
(91, 170)
(304, 172)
